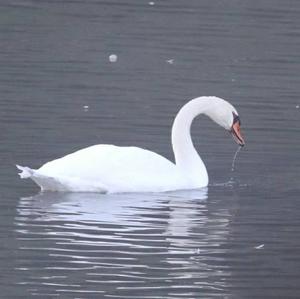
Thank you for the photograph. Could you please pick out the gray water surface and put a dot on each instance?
(239, 238)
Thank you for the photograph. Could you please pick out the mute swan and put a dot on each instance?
(108, 168)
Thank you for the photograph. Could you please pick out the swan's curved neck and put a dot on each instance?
(186, 156)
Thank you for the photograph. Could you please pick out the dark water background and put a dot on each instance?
(237, 240)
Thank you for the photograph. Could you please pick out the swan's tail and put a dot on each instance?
(26, 172)
(59, 183)
(45, 182)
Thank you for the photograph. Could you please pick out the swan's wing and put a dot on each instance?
(117, 168)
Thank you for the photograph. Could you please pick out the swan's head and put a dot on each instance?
(225, 115)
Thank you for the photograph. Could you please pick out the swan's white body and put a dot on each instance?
(108, 168)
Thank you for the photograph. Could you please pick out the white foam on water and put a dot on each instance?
(113, 58)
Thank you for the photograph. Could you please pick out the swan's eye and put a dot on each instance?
(236, 119)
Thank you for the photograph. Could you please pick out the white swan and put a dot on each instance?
(109, 169)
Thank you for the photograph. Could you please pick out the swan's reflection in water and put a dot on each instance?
(122, 245)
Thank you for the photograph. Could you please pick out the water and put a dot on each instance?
(60, 92)
(234, 158)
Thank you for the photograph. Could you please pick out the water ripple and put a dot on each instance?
(126, 243)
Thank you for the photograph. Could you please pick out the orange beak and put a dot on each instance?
(236, 133)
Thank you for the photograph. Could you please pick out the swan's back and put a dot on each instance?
(116, 169)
